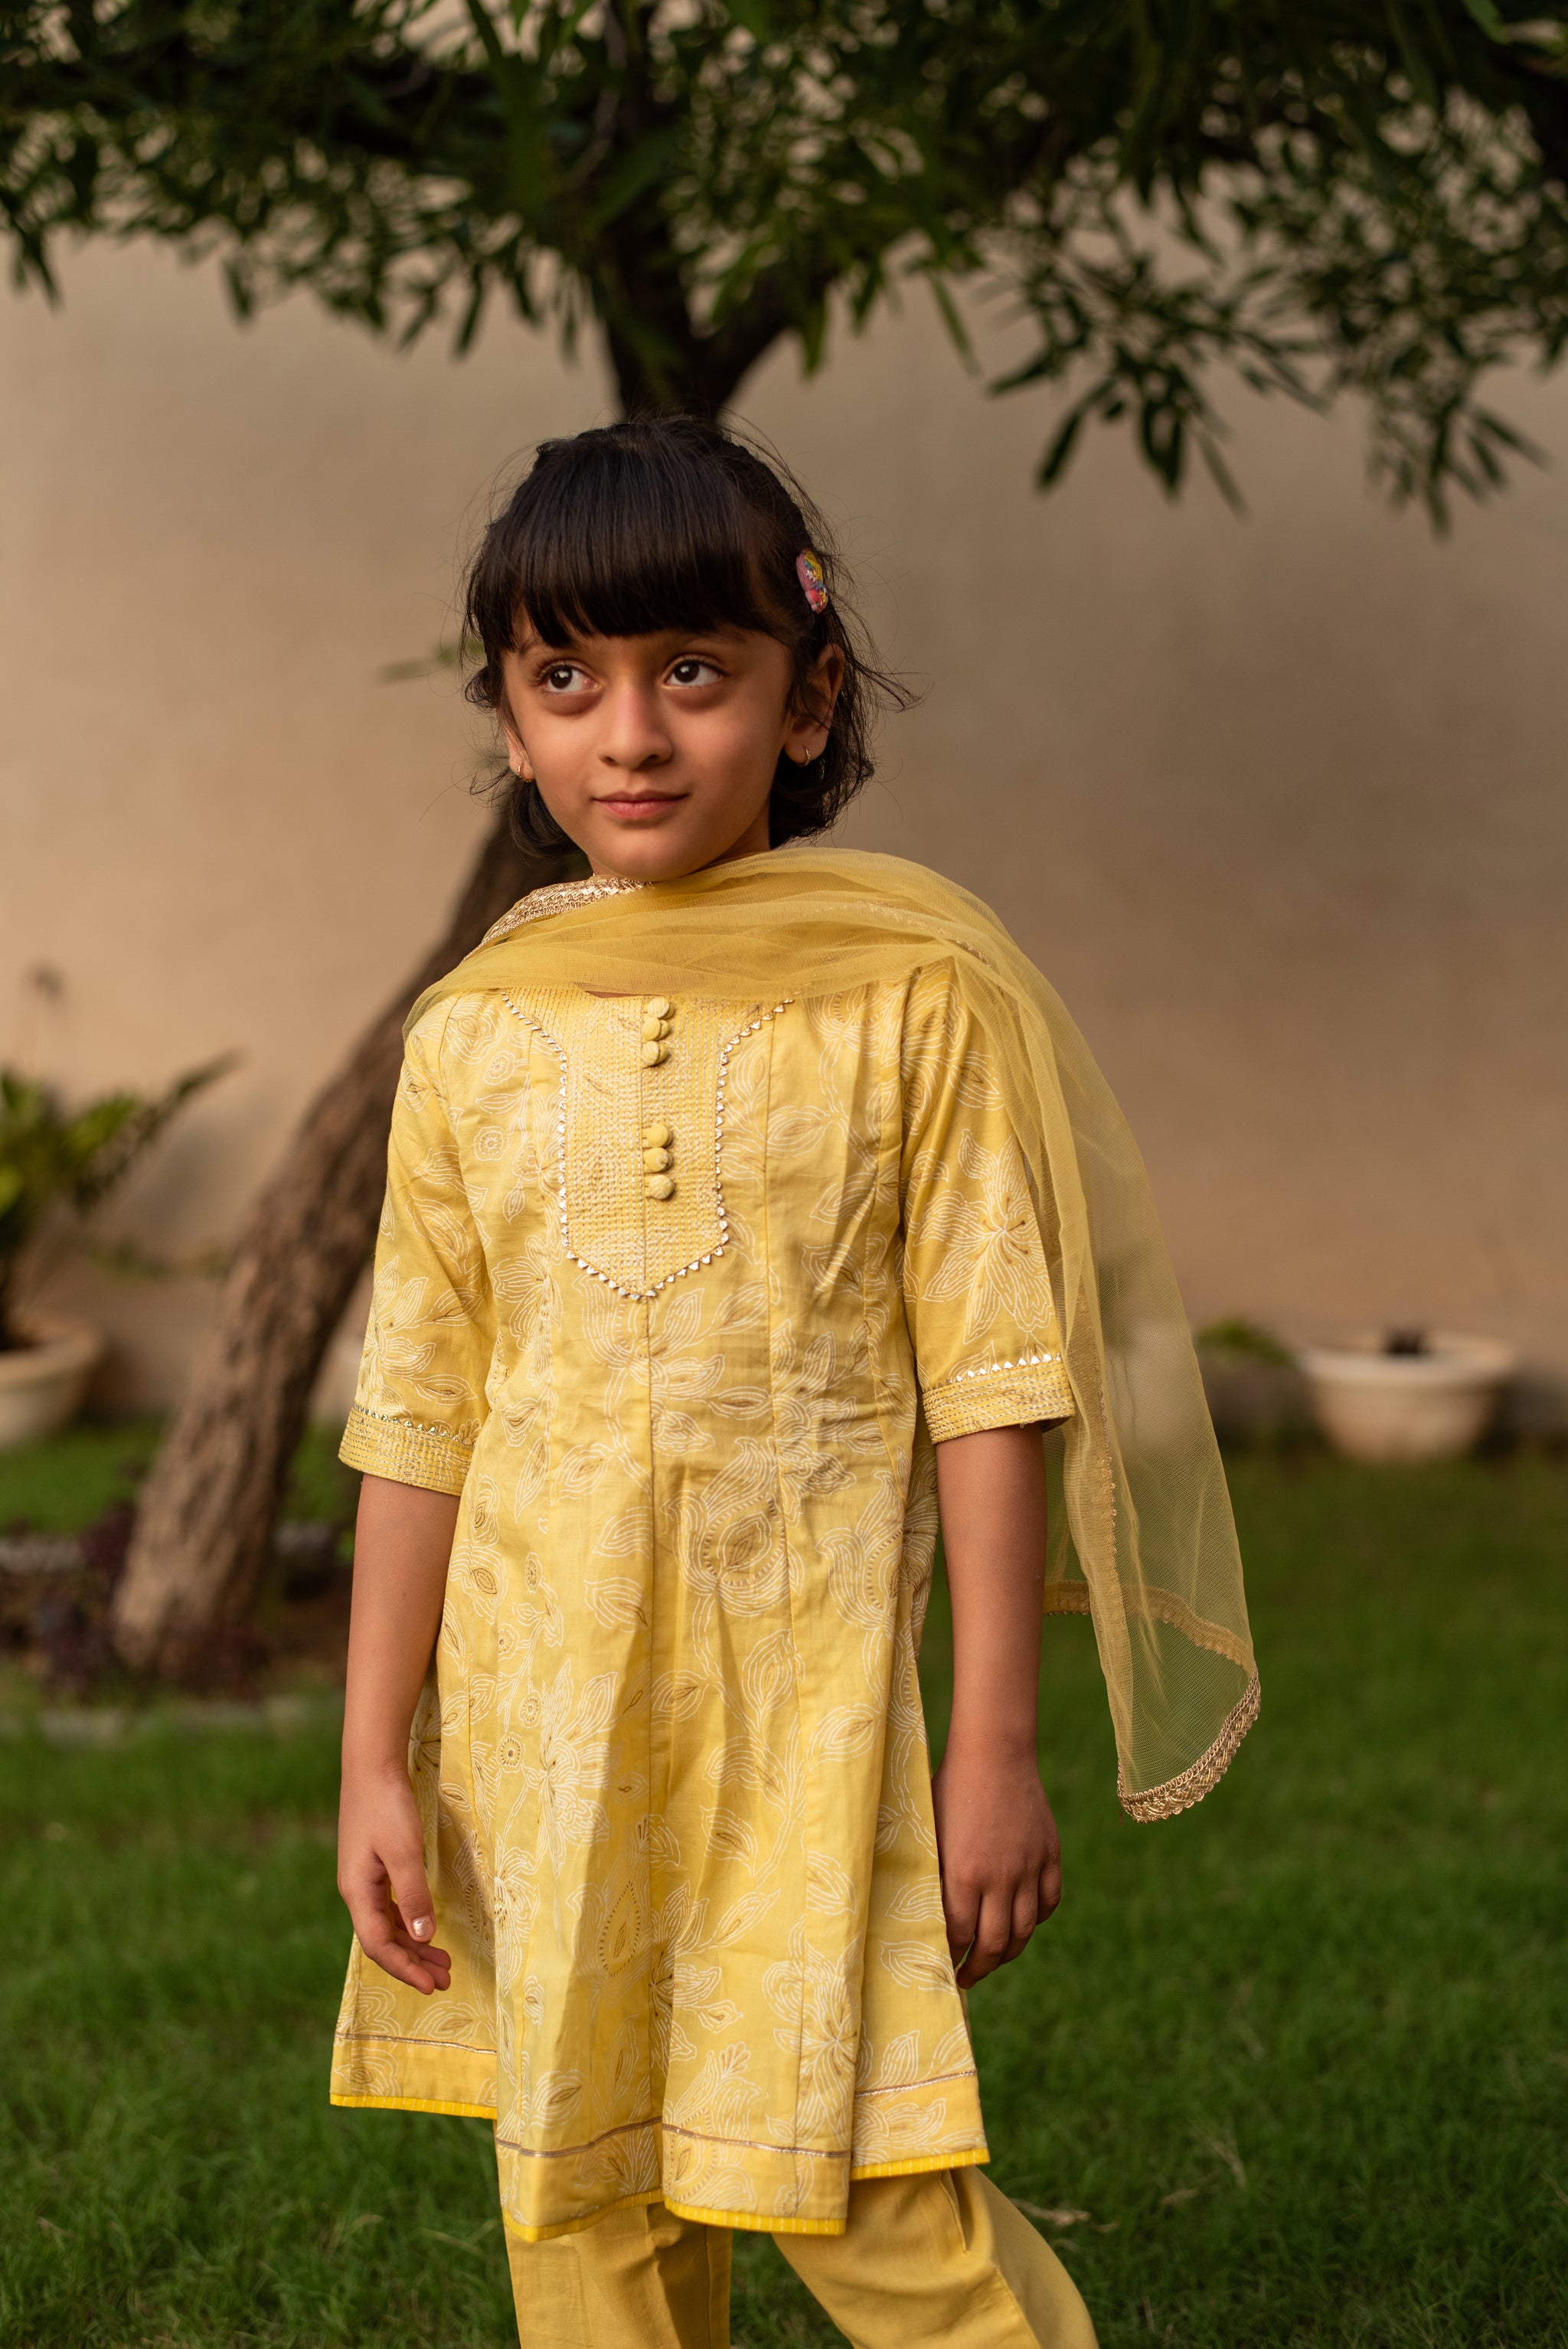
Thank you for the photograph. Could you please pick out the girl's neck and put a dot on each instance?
(743, 847)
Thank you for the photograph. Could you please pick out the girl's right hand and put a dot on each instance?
(381, 1875)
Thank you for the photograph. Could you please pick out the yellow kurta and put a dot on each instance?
(675, 1296)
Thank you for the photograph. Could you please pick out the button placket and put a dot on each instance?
(658, 1157)
(658, 1139)
(659, 1142)
(657, 1021)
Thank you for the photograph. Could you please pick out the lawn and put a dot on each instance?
(1300, 2057)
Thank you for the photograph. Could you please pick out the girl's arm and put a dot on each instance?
(402, 1545)
(997, 1843)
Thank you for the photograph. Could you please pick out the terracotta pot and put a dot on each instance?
(1432, 1406)
(41, 1384)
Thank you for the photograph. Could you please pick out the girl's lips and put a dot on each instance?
(642, 808)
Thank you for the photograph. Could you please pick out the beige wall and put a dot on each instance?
(1278, 804)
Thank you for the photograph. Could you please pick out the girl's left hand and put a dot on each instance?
(999, 1852)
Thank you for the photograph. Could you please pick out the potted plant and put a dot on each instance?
(56, 1167)
(1408, 1394)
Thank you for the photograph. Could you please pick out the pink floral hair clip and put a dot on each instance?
(813, 580)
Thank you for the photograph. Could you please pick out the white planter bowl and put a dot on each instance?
(1432, 1406)
(42, 1385)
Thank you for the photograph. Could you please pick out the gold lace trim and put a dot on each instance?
(1180, 1793)
(1153, 1598)
(558, 897)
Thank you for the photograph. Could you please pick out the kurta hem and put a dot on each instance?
(415, 2104)
(748, 2222)
(977, 2160)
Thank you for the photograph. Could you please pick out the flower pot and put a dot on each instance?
(42, 1383)
(1373, 1405)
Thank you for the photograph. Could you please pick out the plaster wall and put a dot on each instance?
(1277, 804)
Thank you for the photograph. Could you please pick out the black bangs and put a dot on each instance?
(620, 540)
(673, 523)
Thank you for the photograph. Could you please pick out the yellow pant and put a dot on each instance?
(941, 2257)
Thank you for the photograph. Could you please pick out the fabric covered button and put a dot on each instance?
(652, 1054)
(655, 1161)
(656, 1135)
(660, 1006)
(660, 1186)
(653, 1029)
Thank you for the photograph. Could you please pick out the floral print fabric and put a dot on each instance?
(676, 1296)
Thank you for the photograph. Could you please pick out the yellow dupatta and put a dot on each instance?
(1149, 1548)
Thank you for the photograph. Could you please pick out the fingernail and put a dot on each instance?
(421, 1926)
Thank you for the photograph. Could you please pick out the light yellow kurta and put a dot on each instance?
(672, 1762)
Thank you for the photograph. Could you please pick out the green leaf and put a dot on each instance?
(952, 320)
(634, 175)
(1236, 1335)
(1323, 234)
(1055, 462)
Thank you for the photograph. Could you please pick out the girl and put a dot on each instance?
(749, 1207)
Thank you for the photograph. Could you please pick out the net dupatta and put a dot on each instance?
(1149, 1547)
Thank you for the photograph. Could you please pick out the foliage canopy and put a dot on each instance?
(1318, 195)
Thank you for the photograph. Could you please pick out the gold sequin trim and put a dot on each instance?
(558, 897)
(985, 1369)
(1180, 1793)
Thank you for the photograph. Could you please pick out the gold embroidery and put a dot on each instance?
(558, 897)
(608, 1094)
(1180, 1793)
(1073, 1598)
(985, 1369)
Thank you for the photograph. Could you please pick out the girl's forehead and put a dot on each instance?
(659, 640)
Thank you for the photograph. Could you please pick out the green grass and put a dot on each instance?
(58, 1487)
(1327, 2010)
(61, 1485)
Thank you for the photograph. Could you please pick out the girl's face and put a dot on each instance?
(656, 754)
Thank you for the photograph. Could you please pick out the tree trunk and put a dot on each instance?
(204, 1523)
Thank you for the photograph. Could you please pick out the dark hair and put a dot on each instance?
(673, 521)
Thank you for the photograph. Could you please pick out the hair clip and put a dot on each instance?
(814, 579)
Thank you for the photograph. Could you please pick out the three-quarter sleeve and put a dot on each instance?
(420, 1400)
(977, 1278)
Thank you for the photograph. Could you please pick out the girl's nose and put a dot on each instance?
(635, 735)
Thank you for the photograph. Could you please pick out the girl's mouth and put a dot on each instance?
(643, 807)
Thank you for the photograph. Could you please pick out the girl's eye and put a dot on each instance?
(564, 677)
(691, 671)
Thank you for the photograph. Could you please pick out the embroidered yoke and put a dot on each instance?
(676, 1295)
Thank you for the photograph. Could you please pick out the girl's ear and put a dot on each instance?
(810, 720)
(516, 755)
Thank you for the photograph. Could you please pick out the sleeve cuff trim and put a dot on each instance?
(405, 1452)
(1001, 1394)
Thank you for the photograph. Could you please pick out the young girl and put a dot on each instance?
(750, 1207)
